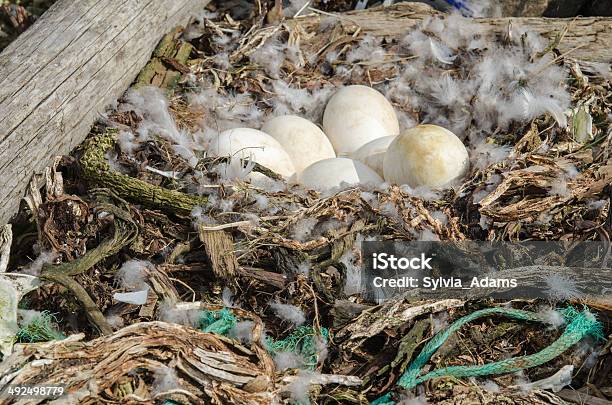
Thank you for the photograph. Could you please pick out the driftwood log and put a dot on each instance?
(586, 39)
(80, 56)
(546, 8)
(60, 74)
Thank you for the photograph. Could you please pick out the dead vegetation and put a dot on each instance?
(213, 243)
(16, 17)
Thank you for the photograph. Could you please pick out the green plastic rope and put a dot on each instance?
(40, 329)
(303, 340)
(218, 322)
(579, 325)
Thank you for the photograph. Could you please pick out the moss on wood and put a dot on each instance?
(97, 171)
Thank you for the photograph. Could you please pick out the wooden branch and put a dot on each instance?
(588, 39)
(97, 171)
(125, 231)
(276, 280)
(92, 311)
(60, 74)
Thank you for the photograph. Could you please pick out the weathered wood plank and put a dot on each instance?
(586, 39)
(59, 75)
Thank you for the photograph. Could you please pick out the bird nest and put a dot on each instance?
(142, 190)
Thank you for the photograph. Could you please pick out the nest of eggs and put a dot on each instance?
(254, 155)
(541, 175)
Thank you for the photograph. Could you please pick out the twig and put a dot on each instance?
(384, 62)
(125, 231)
(325, 379)
(238, 223)
(338, 16)
(91, 309)
(316, 308)
(558, 58)
(186, 286)
(302, 9)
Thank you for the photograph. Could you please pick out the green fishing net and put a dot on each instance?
(40, 329)
(303, 340)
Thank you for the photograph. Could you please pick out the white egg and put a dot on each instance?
(356, 115)
(331, 173)
(372, 154)
(427, 155)
(247, 143)
(304, 141)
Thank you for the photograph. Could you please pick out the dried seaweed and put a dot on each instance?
(162, 209)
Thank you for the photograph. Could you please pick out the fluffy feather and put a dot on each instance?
(243, 331)
(288, 360)
(307, 103)
(173, 313)
(289, 313)
(133, 274)
(164, 379)
(561, 287)
(303, 229)
(35, 267)
(270, 57)
(490, 386)
(368, 49)
(353, 283)
(151, 104)
(300, 387)
(485, 91)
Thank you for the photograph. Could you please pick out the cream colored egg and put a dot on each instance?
(330, 173)
(427, 155)
(356, 115)
(247, 143)
(372, 154)
(304, 141)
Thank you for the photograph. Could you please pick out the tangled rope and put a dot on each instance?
(579, 325)
(218, 322)
(40, 329)
(303, 340)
